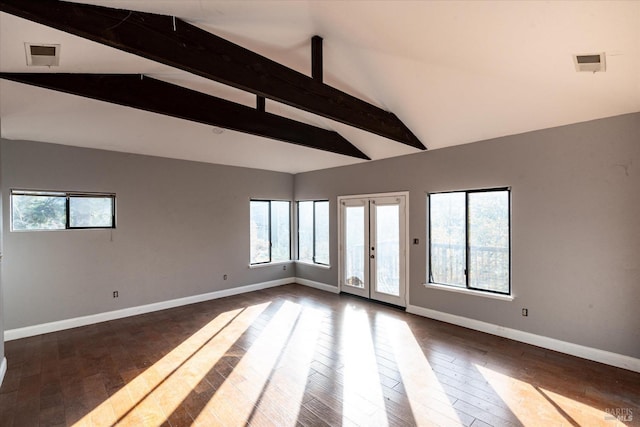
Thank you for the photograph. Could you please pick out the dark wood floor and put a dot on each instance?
(297, 356)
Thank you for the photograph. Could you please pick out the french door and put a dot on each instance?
(373, 246)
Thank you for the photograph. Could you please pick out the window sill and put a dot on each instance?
(313, 264)
(469, 292)
(271, 264)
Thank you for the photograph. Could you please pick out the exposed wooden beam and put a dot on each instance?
(316, 58)
(146, 93)
(261, 103)
(181, 45)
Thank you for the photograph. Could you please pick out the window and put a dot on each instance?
(313, 232)
(51, 210)
(270, 231)
(469, 239)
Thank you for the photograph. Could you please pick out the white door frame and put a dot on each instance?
(405, 195)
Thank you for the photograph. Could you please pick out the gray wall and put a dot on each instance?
(180, 227)
(575, 226)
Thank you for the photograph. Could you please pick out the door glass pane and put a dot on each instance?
(305, 231)
(259, 214)
(354, 246)
(387, 250)
(447, 237)
(91, 211)
(280, 237)
(322, 232)
(489, 241)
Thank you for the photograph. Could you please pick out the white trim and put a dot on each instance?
(374, 195)
(407, 245)
(450, 288)
(3, 369)
(271, 264)
(44, 328)
(590, 353)
(318, 285)
(314, 264)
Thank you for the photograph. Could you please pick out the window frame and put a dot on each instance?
(67, 195)
(467, 287)
(269, 201)
(314, 225)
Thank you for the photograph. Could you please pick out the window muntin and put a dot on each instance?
(270, 231)
(469, 239)
(313, 231)
(49, 210)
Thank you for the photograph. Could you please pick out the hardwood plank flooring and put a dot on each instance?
(295, 356)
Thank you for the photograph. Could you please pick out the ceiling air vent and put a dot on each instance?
(47, 55)
(592, 62)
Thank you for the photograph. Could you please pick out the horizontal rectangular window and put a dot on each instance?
(52, 210)
(313, 231)
(270, 231)
(469, 240)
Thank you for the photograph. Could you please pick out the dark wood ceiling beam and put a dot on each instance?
(174, 42)
(261, 103)
(146, 93)
(316, 58)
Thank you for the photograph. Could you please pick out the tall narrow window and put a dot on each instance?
(49, 210)
(313, 231)
(469, 239)
(270, 231)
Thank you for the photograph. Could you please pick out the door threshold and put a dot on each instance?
(388, 304)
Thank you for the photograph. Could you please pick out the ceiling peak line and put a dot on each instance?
(192, 49)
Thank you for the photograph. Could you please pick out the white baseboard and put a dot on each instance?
(44, 328)
(3, 369)
(318, 285)
(597, 355)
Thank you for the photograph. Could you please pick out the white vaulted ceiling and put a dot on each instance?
(453, 72)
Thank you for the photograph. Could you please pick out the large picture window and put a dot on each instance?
(313, 231)
(270, 231)
(469, 239)
(51, 210)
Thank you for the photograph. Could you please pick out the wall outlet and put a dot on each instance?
(284, 267)
(224, 277)
(115, 294)
(525, 312)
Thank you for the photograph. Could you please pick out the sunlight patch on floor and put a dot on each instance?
(234, 401)
(151, 396)
(282, 397)
(547, 407)
(362, 399)
(429, 402)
